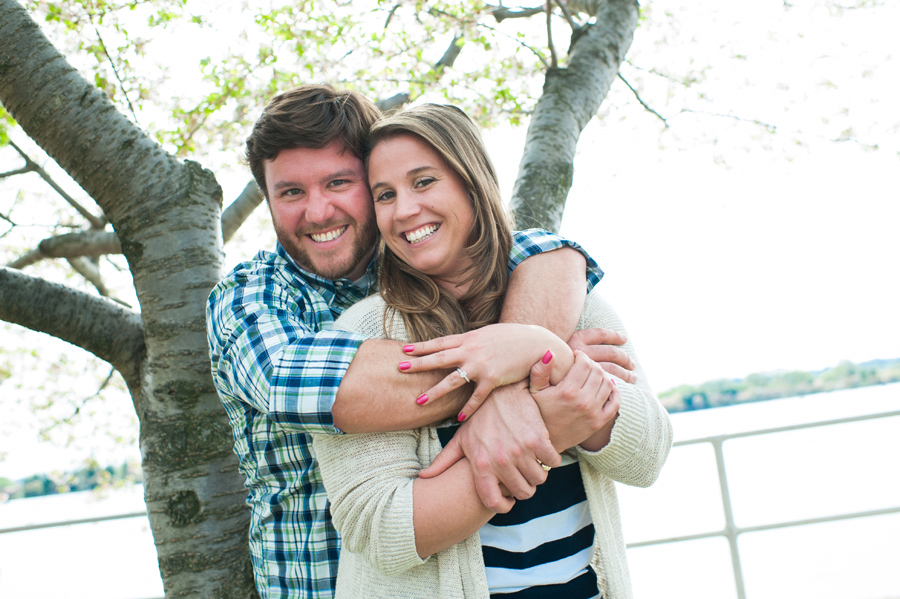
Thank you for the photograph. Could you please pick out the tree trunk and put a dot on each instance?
(570, 99)
(166, 215)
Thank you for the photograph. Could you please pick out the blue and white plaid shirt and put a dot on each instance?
(277, 369)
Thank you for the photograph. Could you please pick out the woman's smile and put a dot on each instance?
(422, 208)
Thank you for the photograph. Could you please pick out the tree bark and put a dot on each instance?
(571, 97)
(97, 325)
(166, 215)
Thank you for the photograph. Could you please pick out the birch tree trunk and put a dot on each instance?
(166, 215)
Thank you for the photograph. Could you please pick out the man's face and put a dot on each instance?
(322, 210)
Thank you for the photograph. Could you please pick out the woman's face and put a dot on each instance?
(422, 208)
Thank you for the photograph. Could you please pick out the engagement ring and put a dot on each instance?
(462, 373)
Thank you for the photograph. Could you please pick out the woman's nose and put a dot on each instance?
(407, 205)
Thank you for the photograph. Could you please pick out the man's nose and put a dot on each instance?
(319, 208)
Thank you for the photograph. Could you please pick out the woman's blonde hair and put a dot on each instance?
(427, 310)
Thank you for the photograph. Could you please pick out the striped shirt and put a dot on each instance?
(542, 547)
(277, 369)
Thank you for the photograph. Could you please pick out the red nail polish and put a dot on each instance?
(405, 365)
(461, 417)
(547, 357)
(421, 399)
(408, 348)
(613, 382)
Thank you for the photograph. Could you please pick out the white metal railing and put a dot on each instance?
(731, 531)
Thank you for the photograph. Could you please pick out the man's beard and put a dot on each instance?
(327, 268)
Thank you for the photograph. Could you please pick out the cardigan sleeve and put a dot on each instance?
(369, 477)
(642, 435)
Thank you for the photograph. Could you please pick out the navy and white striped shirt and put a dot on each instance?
(542, 547)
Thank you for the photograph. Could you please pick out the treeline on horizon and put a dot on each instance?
(85, 479)
(775, 385)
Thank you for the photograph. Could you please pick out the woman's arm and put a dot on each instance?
(383, 510)
(640, 436)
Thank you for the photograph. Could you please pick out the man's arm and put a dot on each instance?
(375, 396)
(547, 289)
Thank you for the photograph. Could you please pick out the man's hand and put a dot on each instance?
(581, 409)
(503, 441)
(600, 346)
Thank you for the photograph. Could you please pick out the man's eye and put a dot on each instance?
(292, 192)
(337, 182)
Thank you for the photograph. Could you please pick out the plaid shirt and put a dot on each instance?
(277, 369)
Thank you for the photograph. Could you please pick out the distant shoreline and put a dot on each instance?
(776, 385)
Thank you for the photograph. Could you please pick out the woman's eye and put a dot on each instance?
(385, 195)
(424, 181)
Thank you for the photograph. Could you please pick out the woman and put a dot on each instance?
(443, 271)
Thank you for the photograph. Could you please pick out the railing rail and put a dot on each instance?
(731, 530)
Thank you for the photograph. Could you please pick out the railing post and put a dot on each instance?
(730, 528)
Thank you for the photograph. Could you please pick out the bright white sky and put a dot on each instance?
(729, 249)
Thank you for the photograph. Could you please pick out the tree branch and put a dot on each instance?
(71, 245)
(112, 65)
(240, 209)
(450, 54)
(553, 62)
(20, 171)
(562, 6)
(95, 221)
(395, 101)
(501, 12)
(90, 271)
(95, 324)
(644, 104)
(518, 41)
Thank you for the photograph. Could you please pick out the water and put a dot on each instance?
(773, 478)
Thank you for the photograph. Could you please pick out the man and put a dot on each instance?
(281, 373)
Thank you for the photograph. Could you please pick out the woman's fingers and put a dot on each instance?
(482, 390)
(449, 383)
(436, 361)
(425, 348)
(540, 374)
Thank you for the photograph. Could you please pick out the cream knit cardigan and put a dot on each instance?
(369, 480)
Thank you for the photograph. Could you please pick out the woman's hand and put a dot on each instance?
(579, 410)
(492, 356)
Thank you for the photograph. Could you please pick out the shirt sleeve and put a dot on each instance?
(531, 242)
(267, 353)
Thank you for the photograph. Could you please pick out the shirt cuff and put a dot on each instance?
(305, 380)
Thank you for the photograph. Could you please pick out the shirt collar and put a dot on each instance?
(338, 293)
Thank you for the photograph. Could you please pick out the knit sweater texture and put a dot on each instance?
(369, 479)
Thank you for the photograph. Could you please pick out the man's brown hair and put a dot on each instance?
(309, 116)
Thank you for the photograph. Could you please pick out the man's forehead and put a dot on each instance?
(333, 158)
